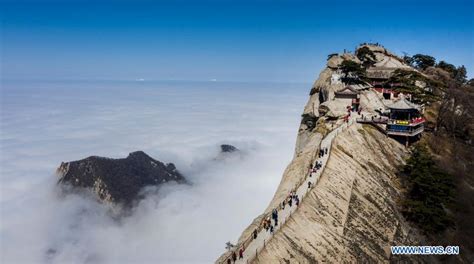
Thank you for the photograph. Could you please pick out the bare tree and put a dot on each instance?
(455, 115)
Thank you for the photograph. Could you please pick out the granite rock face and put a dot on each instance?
(118, 181)
(352, 214)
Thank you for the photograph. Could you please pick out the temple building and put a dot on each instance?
(351, 95)
(380, 73)
(383, 70)
(405, 119)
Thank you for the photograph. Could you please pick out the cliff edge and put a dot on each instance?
(351, 213)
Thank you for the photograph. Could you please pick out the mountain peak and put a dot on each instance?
(118, 181)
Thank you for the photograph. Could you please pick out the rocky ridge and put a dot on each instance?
(117, 181)
(226, 148)
(351, 214)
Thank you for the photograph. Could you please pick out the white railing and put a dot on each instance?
(401, 132)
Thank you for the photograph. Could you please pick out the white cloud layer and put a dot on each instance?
(44, 123)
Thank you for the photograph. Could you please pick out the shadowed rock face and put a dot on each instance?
(228, 148)
(118, 181)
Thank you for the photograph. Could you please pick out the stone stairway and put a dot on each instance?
(253, 246)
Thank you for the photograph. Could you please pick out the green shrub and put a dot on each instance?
(309, 120)
(348, 66)
(407, 79)
(366, 56)
(422, 61)
(430, 192)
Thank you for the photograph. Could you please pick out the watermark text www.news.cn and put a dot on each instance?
(425, 250)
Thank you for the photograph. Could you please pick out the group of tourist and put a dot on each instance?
(352, 109)
(417, 120)
(319, 164)
(267, 222)
(315, 169)
(322, 152)
(292, 197)
(233, 258)
(275, 216)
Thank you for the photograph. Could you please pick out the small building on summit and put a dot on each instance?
(405, 119)
(383, 70)
(389, 91)
(351, 94)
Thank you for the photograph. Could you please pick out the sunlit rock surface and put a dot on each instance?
(351, 215)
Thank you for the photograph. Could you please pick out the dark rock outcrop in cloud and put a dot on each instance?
(225, 148)
(118, 181)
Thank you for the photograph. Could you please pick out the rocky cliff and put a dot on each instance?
(351, 215)
(225, 148)
(117, 181)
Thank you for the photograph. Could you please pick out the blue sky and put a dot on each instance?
(223, 40)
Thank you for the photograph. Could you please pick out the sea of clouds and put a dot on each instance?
(44, 123)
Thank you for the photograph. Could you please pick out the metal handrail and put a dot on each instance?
(408, 132)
